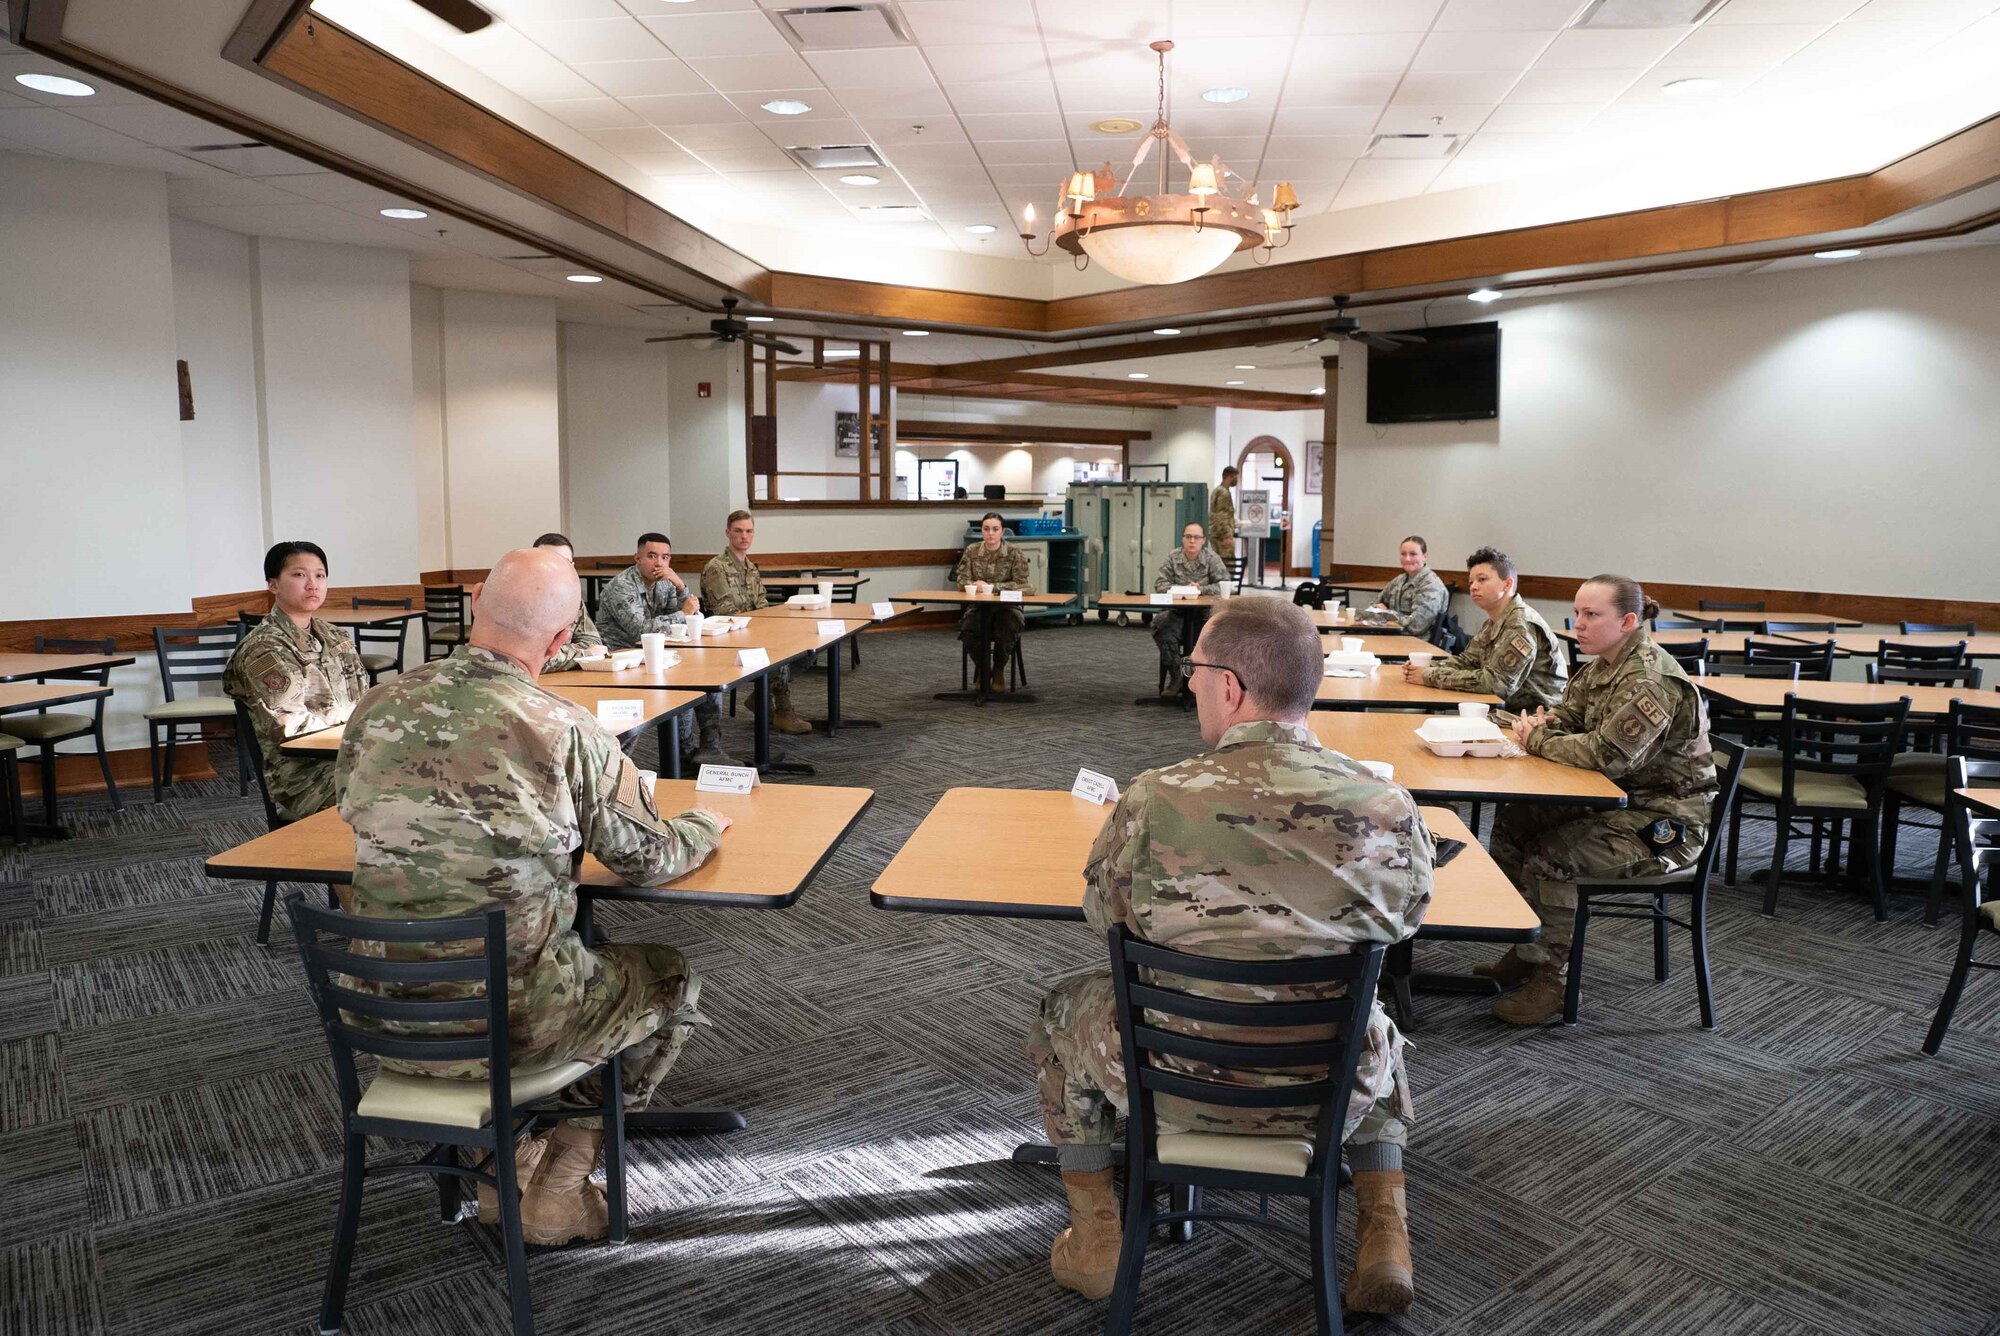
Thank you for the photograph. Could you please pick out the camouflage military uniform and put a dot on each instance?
(582, 636)
(1419, 602)
(470, 787)
(1270, 846)
(628, 609)
(1006, 568)
(1207, 572)
(1221, 519)
(1515, 657)
(731, 586)
(1635, 716)
(295, 682)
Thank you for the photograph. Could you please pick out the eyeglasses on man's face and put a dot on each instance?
(1188, 665)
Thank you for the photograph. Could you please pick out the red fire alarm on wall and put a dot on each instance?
(701, 390)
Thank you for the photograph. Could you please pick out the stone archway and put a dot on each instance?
(1271, 445)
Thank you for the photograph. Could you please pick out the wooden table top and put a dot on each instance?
(782, 576)
(1869, 643)
(1986, 799)
(1393, 738)
(1348, 623)
(1019, 853)
(960, 596)
(1385, 687)
(1396, 648)
(1765, 693)
(782, 836)
(698, 670)
(15, 696)
(657, 705)
(368, 616)
(847, 612)
(1750, 621)
(785, 638)
(25, 667)
(1719, 642)
(1144, 602)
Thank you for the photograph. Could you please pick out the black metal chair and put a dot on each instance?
(1940, 628)
(1269, 1166)
(272, 821)
(1815, 661)
(1832, 764)
(849, 594)
(1309, 595)
(1677, 624)
(1978, 841)
(1646, 898)
(1690, 655)
(1017, 668)
(1826, 628)
(43, 730)
(189, 656)
(1902, 654)
(1917, 779)
(380, 639)
(444, 619)
(1237, 566)
(445, 1114)
(10, 789)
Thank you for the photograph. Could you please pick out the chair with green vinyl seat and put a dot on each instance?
(1832, 764)
(381, 647)
(1917, 778)
(44, 729)
(189, 656)
(1977, 837)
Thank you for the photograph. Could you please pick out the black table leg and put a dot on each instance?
(835, 721)
(669, 735)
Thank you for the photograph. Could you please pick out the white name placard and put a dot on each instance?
(726, 779)
(882, 611)
(1010, 596)
(833, 628)
(1161, 600)
(753, 658)
(613, 712)
(1094, 788)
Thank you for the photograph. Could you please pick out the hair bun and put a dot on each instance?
(1651, 610)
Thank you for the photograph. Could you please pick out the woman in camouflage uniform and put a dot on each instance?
(993, 564)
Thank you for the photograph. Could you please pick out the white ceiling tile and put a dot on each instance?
(643, 78)
(705, 36)
(717, 135)
(1014, 96)
(770, 158)
(260, 161)
(526, 11)
(1373, 180)
(1541, 117)
(154, 124)
(640, 139)
(224, 192)
(1509, 15)
(1340, 90)
(675, 163)
(1360, 16)
(750, 102)
(918, 100)
(1430, 120)
(792, 131)
(1954, 11)
(1316, 148)
(1325, 120)
(1854, 45)
(1217, 123)
(593, 113)
(1120, 75)
(1651, 87)
(1481, 50)
(1025, 150)
(504, 54)
(1609, 48)
(943, 22)
(730, 74)
(1015, 125)
(1001, 63)
(1756, 44)
(1454, 86)
(1365, 53)
(930, 130)
(577, 40)
(895, 69)
(1783, 11)
(1597, 86)
(1200, 20)
(687, 109)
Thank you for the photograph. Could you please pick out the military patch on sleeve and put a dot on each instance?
(628, 795)
(1524, 646)
(1655, 713)
(1637, 723)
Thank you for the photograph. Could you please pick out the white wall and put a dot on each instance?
(222, 461)
(1829, 427)
(427, 428)
(90, 440)
(706, 462)
(1240, 426)
(500, 432)
(615, 453)
(1186, 441)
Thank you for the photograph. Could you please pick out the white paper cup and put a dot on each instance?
(1333, 608)
(1351, 644)
(1420, 660)
(677, 633)
(1472, 709)
(826, 590)
(694, 622)
(972, 589)
(653, 646)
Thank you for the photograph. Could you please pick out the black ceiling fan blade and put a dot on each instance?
(676, 338)
(460, 14)
(766, 341)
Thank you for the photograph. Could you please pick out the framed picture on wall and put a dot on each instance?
(1315, 466)
(847, 435)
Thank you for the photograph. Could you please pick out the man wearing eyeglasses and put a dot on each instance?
(1267, 846)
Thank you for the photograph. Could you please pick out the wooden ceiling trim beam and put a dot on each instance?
(1072, 389)
(810, 296)
(1955, 164)
(1118, 352)
(1008, 433)
(1163, 388)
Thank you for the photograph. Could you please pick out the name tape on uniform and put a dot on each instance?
(1094, 788)
(833, 628)
(621, 711)
(726, 779)
(1010, 596)
(753, 658)
(882, 612)
(1161, 600)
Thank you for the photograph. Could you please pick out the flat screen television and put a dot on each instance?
(1452, 376)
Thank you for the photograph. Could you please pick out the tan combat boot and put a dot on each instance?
(1085, 1258)
(1536, 1002)
(527, 1154)
(1382, 1281)
(783, 717)
(561, 1202)
(1507, 971)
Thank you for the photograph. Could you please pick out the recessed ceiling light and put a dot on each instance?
(1484, 295)
(1117, 125)
(788, 106)
(1232, 382)
(408, 215)
(584, 278)
(861, 179)
(1138, 375)
(1835, 254)
(916, 333)
(1245, 366)
(1166, 331)
(982, 229)
(55, 83)
(1685, 87)
(759, 319)
(1225, 94)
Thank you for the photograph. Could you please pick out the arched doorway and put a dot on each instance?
(1266, 462)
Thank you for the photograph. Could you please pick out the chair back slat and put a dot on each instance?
(1335, 967)
(1216, 1011)
(1908, 675)
(414, 1012)
(1858, 741)
(375, 969)
(1675, 624)
(463, 1048)
(1902, 654)
(194, 653)
(1815, 661)
(1711, 605)
(1182, 1086)
(1689, 656)
(1976, 836)
(1722, 664)
(1973, 731)
(1228, 1052)
(1940, 628)
(58, 645)
(446, 601)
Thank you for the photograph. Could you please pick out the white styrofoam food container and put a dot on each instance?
(1449, 736)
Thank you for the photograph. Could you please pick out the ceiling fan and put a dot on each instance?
(1342, 326)
(731, 330)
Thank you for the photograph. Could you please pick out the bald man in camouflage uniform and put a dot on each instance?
(1633, 715)
(470, 787)
(1271, 846)
(295, 680)
(1192, 563)
(732, 585)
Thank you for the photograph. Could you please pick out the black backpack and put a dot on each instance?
(1310, 595)
(1450, 636)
